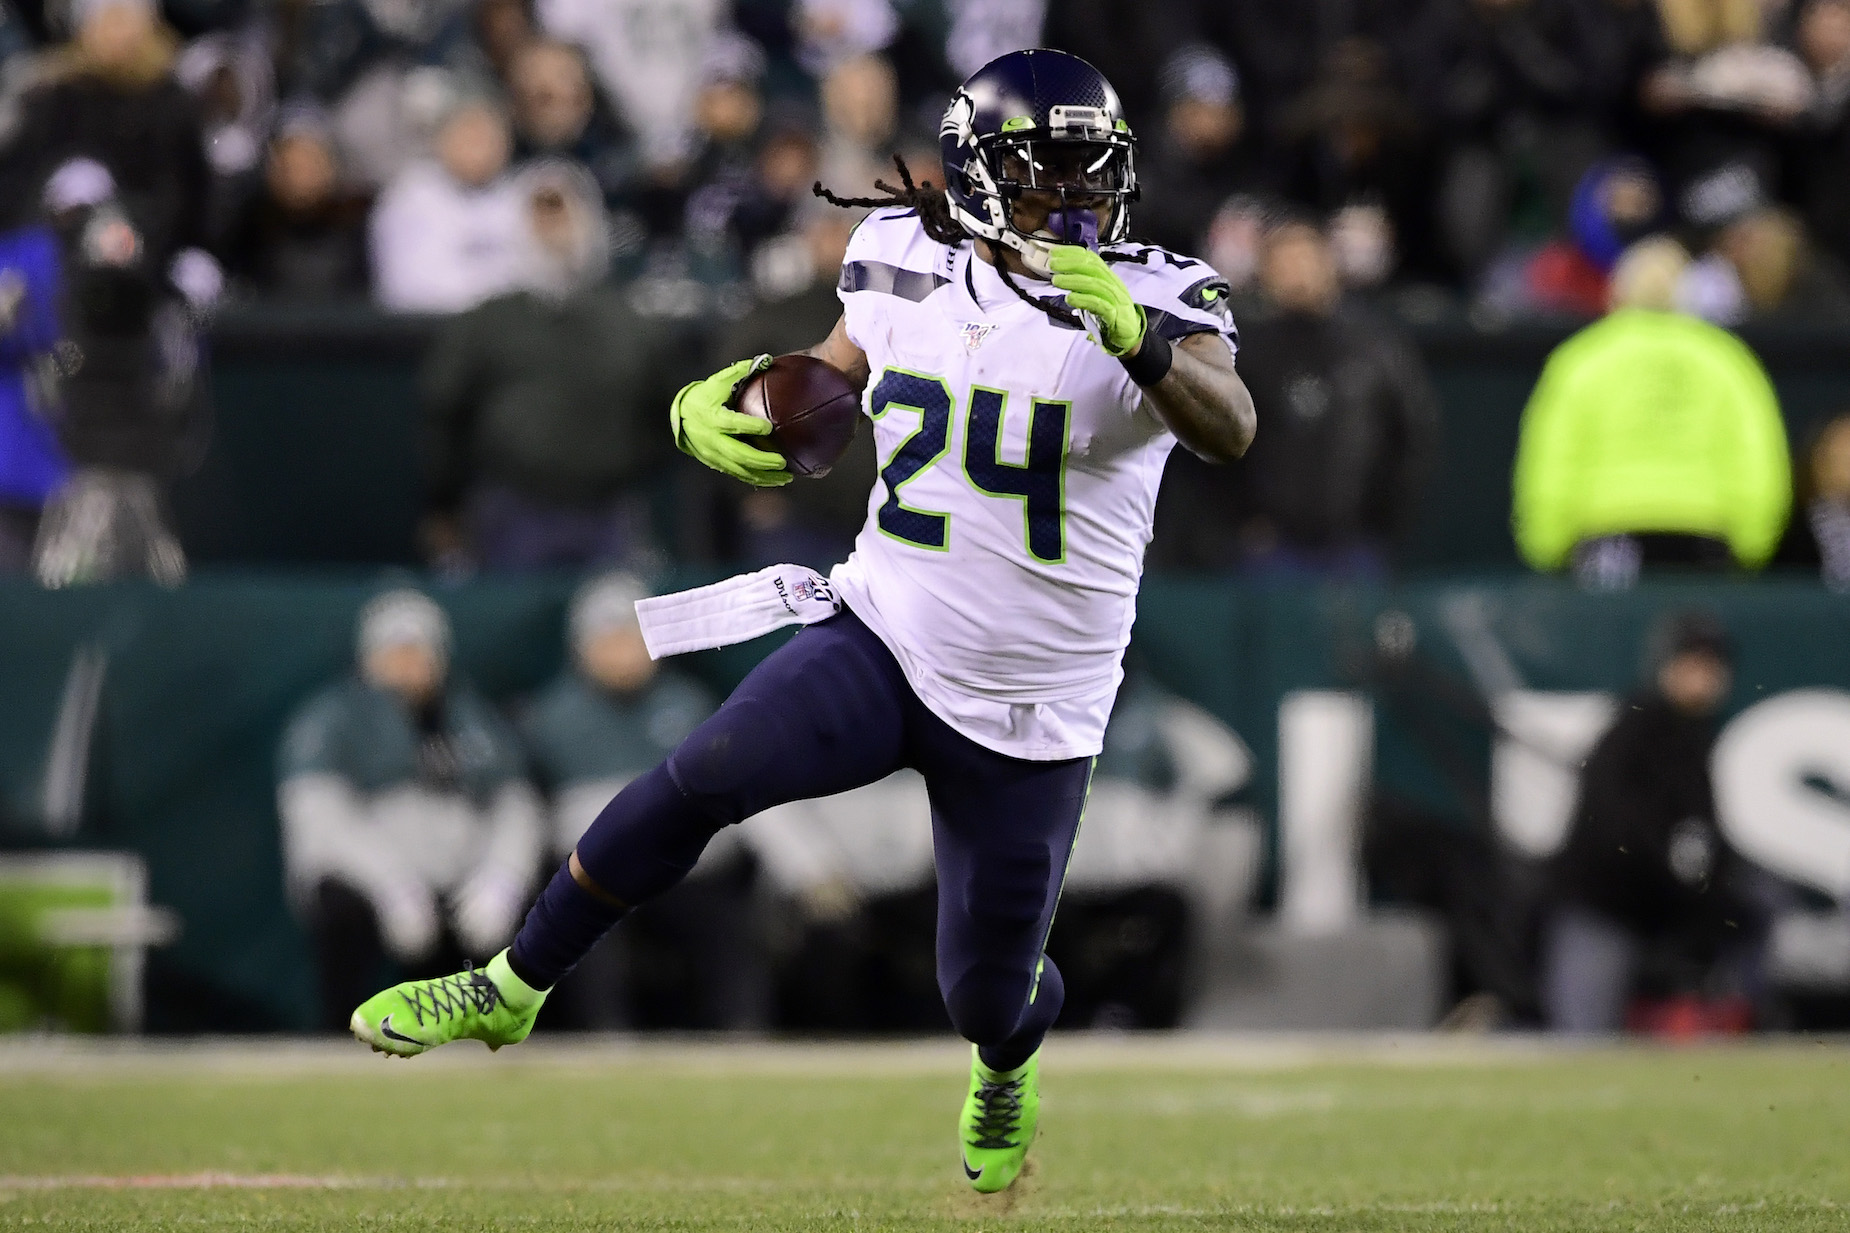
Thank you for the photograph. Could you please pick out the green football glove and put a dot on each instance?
(1091, 287)
(706, 427)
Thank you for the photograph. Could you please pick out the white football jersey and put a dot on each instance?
(1019, 470)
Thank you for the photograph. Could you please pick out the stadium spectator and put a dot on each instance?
(1822, 164)
(110, 96)
(1652, 439)
(1819, 537)
(1352, 137)
(450, 232)
(558, 114)
(1198, 158)
(860, 112)
(1723, 104)
(831, 32)
(813, 523)
(303, 237)
(32, 465)
(229, 73)
(1647, 897)
(543, 405)
(1508, 87)
(130, 411)
(409, 828)
(611, 715)
(647, 55)
(1349, 440)
(1617, 202)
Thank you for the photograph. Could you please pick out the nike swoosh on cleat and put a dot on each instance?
(385, 1030)
(972, 1174)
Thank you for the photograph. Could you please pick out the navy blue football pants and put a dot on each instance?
(830, 711)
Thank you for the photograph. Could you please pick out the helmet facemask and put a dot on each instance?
(1076, 163)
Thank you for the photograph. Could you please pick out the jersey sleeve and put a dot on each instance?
(890, 260)
(1179, 295)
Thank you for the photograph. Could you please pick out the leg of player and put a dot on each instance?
(823, 714)
(1003, 831)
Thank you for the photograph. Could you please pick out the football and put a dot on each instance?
(813, 410)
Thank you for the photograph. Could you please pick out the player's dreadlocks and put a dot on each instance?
(934, 211)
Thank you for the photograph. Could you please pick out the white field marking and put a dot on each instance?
(1146, 1052)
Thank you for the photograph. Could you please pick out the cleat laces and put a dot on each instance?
(454, 995)
(1000, 1105)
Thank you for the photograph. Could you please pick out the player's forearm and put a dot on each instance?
(839, 351)
(1202, 400)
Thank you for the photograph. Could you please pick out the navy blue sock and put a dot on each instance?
(565, 923)
(1039, 1016)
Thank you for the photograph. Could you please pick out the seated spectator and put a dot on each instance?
(1350, 435)
(451, 231)
(1764, 268)
(611, 715)
(1617, 202)
(1819, 537)
(1647, 897)
(32, 465)
(813, 523)
(409, 828)
(1652, 439)
(302, 238)
(557, 114)
(1198, 157)
(544, 407)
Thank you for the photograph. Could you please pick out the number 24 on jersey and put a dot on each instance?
(1039, 483)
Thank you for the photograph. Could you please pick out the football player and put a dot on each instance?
(1027, 371)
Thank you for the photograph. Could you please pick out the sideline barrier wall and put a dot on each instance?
(197, 684)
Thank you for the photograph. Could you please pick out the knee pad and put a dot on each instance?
(722, 756)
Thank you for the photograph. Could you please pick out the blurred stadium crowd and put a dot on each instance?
(601, 199)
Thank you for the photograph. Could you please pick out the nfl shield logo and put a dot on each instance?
(974, 334)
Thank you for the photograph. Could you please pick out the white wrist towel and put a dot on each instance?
(735, 610)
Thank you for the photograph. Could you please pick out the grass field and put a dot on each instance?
(1147, 1134)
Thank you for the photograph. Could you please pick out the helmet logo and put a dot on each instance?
(959, 119)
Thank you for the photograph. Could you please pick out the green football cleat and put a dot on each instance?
(1000, 1115)
(491, 1005)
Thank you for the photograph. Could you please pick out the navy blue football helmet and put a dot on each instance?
(1038, 120)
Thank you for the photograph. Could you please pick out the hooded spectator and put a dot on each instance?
(451, 231)
(543, 405)
(1352, 429)
(1198, 158)
(229, 74)
(32, 464)
(1617, 202)
(303, 238)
